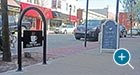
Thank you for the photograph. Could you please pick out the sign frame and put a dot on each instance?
(102, 39)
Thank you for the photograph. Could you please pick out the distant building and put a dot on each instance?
(104, 12)
(64, 11)
(81, 14)
(101, 11)
(13, 8)
(124, 19)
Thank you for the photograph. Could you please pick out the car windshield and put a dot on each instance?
(94, 23)
(64, 26)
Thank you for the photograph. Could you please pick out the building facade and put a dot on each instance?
(33, 16)
(63, 11)
(81, 14)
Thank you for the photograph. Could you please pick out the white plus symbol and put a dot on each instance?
(121, 57)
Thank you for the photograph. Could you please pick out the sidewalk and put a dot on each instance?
(89, 62)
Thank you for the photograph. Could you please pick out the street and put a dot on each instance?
(61, 45)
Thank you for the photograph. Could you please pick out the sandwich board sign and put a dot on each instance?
(109, 36)
(32, 38)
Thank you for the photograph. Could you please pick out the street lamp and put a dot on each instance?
(70, 14)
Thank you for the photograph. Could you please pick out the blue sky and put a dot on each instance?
(97, 4)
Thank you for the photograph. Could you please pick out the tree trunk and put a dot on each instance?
(5, 32)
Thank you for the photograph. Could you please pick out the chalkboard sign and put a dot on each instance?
(32, 38)
(109, 35)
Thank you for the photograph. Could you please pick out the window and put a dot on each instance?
(36, 2)
(59, 4)
(70, 26)
(74, 9)
(66, 6)
(30, 1)
(54, 3)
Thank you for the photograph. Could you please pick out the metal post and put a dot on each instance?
(70, 14)
(117, 11)
(86, 24)
(116, 19)
(20, 38)
(131, 19)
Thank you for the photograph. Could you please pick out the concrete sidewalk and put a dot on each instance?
(89, 62)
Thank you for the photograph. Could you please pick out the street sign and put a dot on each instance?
(32, 38)
(109, 36)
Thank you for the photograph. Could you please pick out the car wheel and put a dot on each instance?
(65, 32)
(124, 35)
(77, 38)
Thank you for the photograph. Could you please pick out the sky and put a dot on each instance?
(99, 4)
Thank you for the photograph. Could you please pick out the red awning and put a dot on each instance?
(74, 18)
(32, 13)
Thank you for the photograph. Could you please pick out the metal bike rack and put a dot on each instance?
(20, 39)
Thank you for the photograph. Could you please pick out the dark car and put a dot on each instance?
(123, 31)
(93, 29)
(13, 26)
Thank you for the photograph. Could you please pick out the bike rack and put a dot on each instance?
(20, 39)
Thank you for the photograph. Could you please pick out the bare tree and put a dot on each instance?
(5, 32)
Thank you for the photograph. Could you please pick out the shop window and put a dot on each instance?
(55, 23)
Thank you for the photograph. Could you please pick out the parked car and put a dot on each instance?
(137, 29)
(93, 29)
(123, 31)
(64, 29)
(134, 32)
(1, 43)
(13, 24)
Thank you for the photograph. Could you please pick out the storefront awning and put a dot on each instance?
(74, 18)
(32, 13)
(12, 3)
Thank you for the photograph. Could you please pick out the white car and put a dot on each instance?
(64, 29)
(134, 32)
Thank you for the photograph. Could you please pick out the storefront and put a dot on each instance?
(61, 18)
(74, 20)
(13, 9)
(36, 19)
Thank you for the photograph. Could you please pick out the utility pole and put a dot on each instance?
(131, 16)
(5, 32)
(70, 14)
(117, 11)
(86, 23)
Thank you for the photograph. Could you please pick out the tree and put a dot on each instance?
(5, 32)
(128, 4)
(137, 11)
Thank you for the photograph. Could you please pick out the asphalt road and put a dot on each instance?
(57, 42)
(62, 41)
